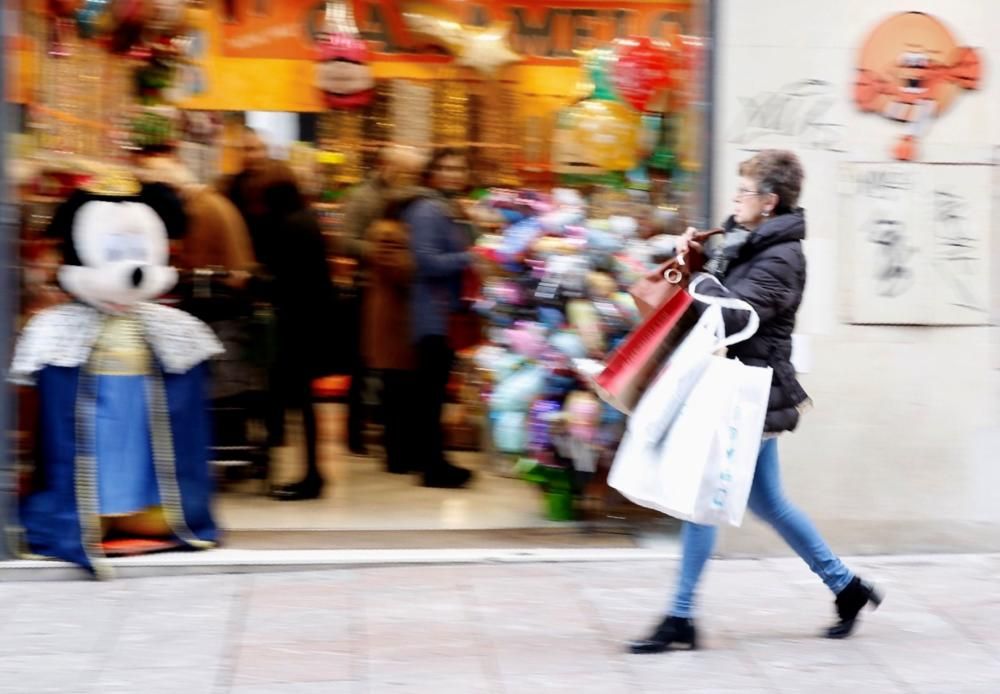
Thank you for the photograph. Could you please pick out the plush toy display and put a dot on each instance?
(123, 425)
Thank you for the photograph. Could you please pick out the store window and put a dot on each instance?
(584, 130)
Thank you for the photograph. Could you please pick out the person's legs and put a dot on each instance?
(395, 404)
(313, 474)
(677, 629)
(697, 542)
(311, 485)
(435, 360)
(356, 415)
(768, 502)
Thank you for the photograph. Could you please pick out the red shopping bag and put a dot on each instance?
(637, 360)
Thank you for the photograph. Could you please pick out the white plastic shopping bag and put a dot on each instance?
(710, 453)
(636, 472)
(693, 452)
(663, 399)
(661, 402)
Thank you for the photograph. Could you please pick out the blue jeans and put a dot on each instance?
(768, 502)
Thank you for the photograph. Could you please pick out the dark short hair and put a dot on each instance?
(441, 153)
(776, 171)
(277, 187)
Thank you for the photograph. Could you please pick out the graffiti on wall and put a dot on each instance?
(911, 69)
(797, 113)
(921, 253)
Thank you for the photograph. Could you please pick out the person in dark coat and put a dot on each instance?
(767, 270)
(440, 238)
(289, 244)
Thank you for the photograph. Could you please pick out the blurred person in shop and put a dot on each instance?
(253, 159)
(217, 262)
(763, 264)
(363, 206)
(440, 239)
(386, 330)
(291, 249)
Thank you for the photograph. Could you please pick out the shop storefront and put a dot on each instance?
(607, 100)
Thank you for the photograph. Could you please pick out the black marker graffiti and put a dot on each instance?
(957, 255)
(884, 185)
(893, 272)
(798, 110)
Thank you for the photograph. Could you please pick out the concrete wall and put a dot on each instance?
(902, 450)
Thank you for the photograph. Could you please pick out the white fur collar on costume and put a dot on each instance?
(64, 336)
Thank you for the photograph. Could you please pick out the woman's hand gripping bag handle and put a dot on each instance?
(658, 408)
(659, 286)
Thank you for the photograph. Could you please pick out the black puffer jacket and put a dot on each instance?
(769, 273)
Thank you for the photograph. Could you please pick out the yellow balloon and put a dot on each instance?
(596, 136)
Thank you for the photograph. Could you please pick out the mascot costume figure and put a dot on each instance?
(123, 425)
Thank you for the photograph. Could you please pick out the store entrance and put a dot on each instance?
(364, 506)
(577, 154)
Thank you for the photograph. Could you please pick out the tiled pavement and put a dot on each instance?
(500, 629)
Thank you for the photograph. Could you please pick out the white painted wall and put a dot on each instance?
(902, 451)
(277, 128)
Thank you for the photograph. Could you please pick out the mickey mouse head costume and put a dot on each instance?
(123, 420)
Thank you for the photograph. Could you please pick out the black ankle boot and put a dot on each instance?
(850, 601)
(307, 489)
(673, 633)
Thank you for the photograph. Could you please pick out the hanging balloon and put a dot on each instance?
(685, 68)
(642, 69)
(594, 137)
(484, 49)
(344, 74)
(595, 82)
(584, 412)
(540, 419)
(487, 50)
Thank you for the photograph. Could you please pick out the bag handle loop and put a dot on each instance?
(730, 302)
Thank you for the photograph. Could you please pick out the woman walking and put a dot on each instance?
(769, 272)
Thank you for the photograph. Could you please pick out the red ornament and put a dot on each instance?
(641, 70)
(344, 74)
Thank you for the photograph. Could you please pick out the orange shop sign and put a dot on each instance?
(546, 31)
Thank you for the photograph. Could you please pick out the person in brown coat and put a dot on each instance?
(385, 337)
(397, 168)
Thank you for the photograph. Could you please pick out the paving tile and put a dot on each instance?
(553, 656)
(795, 666)
(47, 674)
(453, 671)
(192, 680)
(723, 671)
(297, 688)
(935, 667)
(571, 683)
(292, 662)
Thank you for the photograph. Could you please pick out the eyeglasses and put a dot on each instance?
(744, 193)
